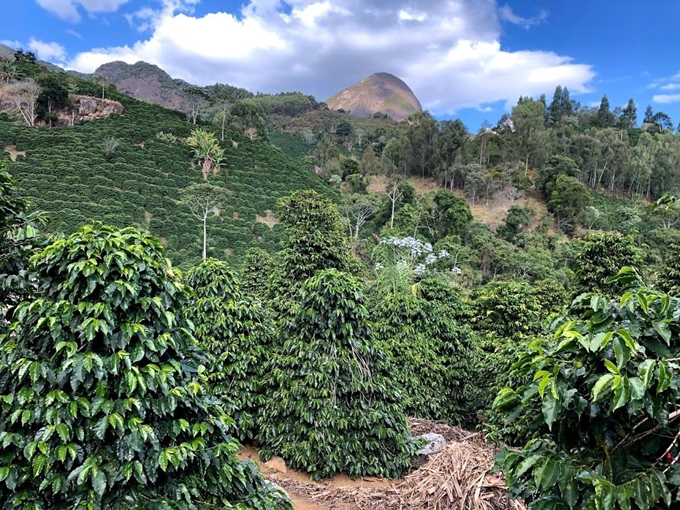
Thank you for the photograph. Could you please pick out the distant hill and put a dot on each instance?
(7, 52)
(145, 82)
(380, 92)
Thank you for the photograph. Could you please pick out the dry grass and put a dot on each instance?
(425, 185)
(268, 219)
(377, 183)
(14, 153)
(460, 477)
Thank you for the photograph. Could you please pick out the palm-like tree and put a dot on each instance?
(8, 71)
(207, 150)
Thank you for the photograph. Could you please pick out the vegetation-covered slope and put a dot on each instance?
(380, 92)
(72, 175)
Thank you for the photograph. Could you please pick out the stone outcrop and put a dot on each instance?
(91, 108)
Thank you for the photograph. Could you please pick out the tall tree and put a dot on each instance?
(605, 118)
(568, 201)
(422, 133)
(528, 120)
(204, 200)
(101, 81)
(25, 95)
(450, 146)
(628, 117)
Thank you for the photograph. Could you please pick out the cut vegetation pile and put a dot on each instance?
(460, 477)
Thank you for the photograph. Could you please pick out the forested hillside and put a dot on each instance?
(131, 169)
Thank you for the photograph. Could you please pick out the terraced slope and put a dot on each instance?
(66, 172)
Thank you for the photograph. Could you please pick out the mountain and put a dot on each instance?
(6, 52)
(146, 82)
(380, 92)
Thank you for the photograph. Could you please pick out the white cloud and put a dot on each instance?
(12, 44)
(68, 9)
(667, 84)
(506, 13)
(666, 98)
(50, 51)
(405, 15)
(448, 52)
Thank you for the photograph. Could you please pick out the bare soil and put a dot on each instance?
(460, 477)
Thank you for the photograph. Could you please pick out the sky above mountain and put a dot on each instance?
(463, 58)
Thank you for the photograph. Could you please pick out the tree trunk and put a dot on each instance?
(224, 118)
(394, 201)
(205, 235)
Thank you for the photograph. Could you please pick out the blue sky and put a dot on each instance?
(463, 58)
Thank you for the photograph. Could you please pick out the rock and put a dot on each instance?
(435, 444)
(277, 464)
(91, 108)
(86, 105)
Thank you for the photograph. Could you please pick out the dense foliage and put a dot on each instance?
(432, 355)
(597, 407)
(236, 332)
(17, 237)
(332, 406)
(101, 401)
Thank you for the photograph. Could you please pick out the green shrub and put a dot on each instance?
(332, 406)
(236, 333)
(430, 353)
(102, 406)
(596, 406)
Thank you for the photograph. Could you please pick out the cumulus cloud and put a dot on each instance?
(68, 9)
(50, 51)
(449, 52)
(507, 14)
(666, 98)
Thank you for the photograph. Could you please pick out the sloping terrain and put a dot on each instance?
(68, 173)
(380, 92)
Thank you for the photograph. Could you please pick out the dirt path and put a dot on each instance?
(298, 484)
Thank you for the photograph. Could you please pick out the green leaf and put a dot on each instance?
(551, 408)
(163, 460)
(99, 483)
(630, 343)
(611, 367)
(621, 352)
(62, 430)
(622, 394)
(526, 464)
(665, 377)
(601, 385)
(663, 330)
(646, 372)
